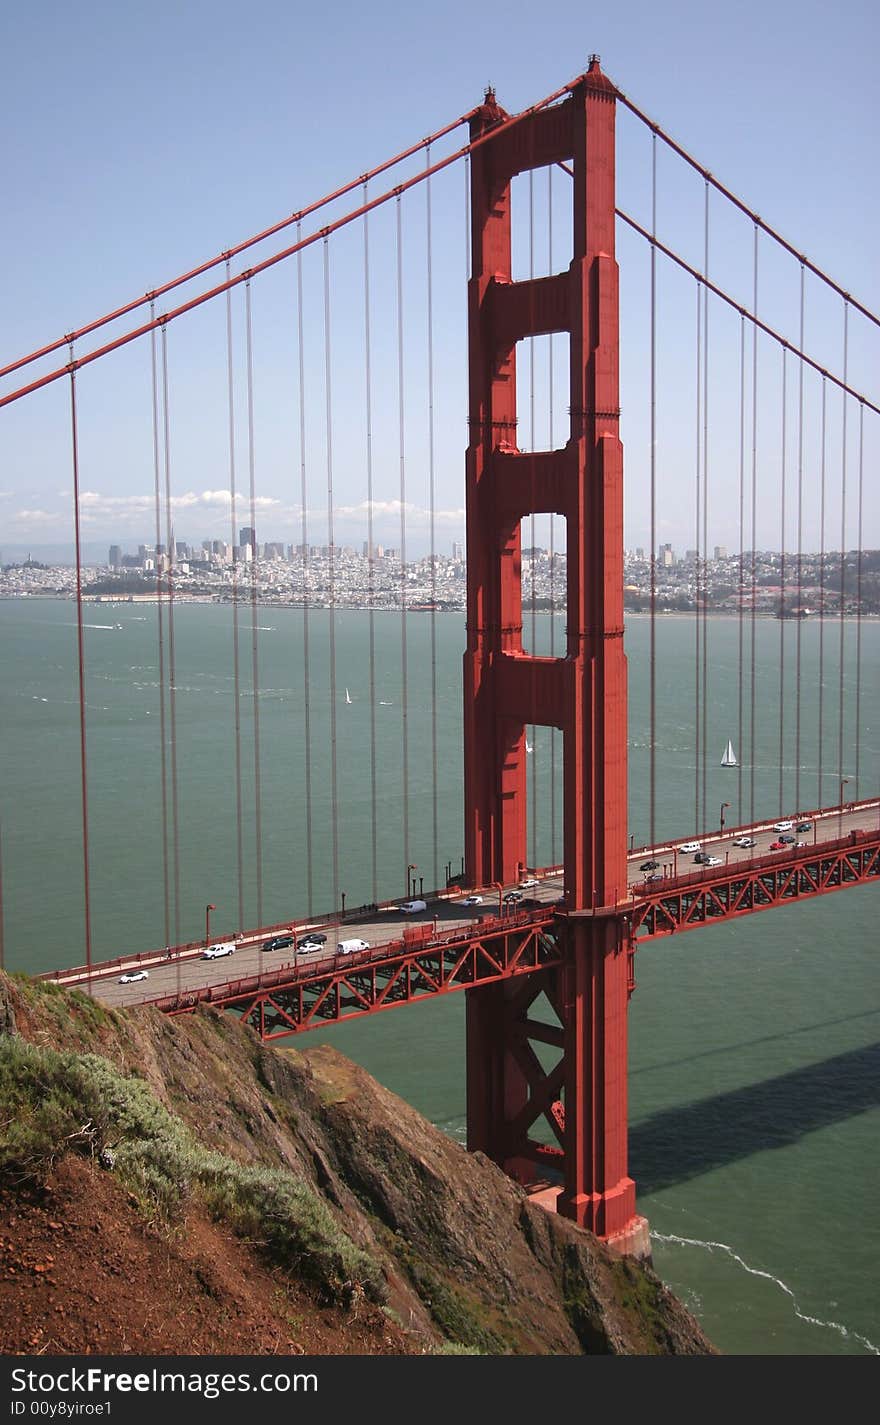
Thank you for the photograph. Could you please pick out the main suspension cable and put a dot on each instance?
(293, 218)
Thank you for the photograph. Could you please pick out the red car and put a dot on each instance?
(777, 845)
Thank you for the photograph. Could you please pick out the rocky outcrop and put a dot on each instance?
(400, 1218)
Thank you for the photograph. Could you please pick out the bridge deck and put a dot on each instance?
(687, 895)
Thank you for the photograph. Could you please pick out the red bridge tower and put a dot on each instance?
(583, 693)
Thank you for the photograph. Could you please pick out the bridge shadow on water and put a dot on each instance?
(681, 1143)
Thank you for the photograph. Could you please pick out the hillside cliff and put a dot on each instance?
(177, 1187)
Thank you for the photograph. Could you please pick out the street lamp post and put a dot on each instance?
(843, 782)
(411, 880)
(724, 806)
(208, 909)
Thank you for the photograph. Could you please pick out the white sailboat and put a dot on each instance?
(729, 758)
(347, 696)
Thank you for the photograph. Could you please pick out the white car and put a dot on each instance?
(529, 881)
(413, 907)
(348, 947)
(689, 846)
(215, 952)
(133, 975)
(711, 860)
(744, 842)
(783, 825)
(472, 900)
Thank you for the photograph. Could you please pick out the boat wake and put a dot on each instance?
(837, 1326)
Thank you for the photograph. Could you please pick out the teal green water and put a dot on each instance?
(753, 1047)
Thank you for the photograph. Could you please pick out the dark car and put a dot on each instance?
(787, 840)
(278, 942)
(805, 826)
(700, 856)
(312, 941)
(654, 876)
(530, 903)
(649, 865)
(513, 898)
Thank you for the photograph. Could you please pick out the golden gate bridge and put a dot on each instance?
(543, 445)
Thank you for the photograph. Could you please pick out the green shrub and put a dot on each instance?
(53, 1102)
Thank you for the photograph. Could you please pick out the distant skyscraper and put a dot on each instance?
(114, 558)
(248, 536)
(721, 551)
(457, 550)
(667, 558)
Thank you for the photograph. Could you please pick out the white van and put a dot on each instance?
(348, 947)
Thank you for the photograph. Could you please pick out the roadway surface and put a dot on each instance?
(187, 970)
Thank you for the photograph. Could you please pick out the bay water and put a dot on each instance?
(754, 1058)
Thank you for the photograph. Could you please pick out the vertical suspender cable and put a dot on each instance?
(821, 727)
(83, 763)
(652, 658)
(258, 805)
(754, 590)
(800, 559)
(705, 609)
(236, 691)
(2, 949)
(532, 501)
(160, 638)
(697, 584)
(172, 666)
(403, 592)
(306, 575)
(331, 547)
(741, 589)
(371, 568)
(432, 504)
(842, 542)
(782, 591)
(859, 596)
(551, 446)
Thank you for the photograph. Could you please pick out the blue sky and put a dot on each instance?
(142, 138)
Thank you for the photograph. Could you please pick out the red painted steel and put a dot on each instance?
(295, 998)
(583, 693)
(726, 893)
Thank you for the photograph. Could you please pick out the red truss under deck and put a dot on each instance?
(294, 999)
(761, 884)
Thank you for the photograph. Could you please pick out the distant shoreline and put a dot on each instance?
(151, 600)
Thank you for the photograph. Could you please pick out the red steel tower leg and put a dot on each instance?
(583, 693)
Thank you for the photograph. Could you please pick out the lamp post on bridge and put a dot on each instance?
(411, 880)
(724, 806)
(843, 782)
(208, 909)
